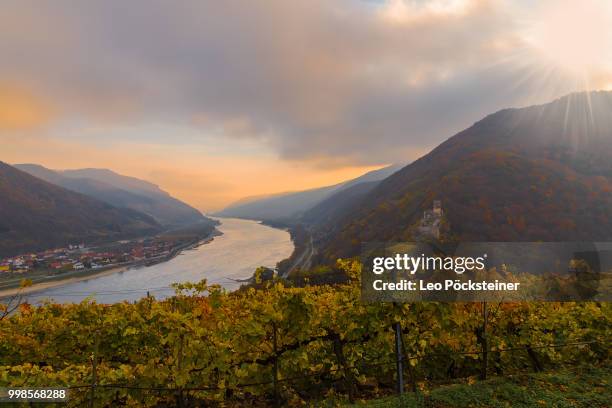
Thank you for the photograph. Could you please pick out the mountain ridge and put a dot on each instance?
(536, 173)
(120, 191)
(291, 206)
(37, 215)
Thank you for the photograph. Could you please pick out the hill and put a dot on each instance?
(541, 173)
(36, 215)
(277, 207)
(118, 180)
(337, 204)
(120, 191)
(289, 207)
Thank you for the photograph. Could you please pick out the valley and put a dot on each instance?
(390, 203)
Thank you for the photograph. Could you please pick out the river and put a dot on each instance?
(244, 246)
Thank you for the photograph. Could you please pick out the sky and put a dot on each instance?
(219, 100)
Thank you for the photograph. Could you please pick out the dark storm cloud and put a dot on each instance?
(331, 81)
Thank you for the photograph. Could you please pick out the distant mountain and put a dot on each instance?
(335, 206)
(117, 180)
(541, 173)
(35, 215)
(120, 191)
(284, 206)
(291, 206)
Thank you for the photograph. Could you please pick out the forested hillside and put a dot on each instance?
(121, 191)
(541, 173)
(37, 215)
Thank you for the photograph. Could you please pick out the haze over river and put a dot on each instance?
(244, 246)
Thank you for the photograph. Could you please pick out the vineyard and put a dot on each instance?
(277, 344)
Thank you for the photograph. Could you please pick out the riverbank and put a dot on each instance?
(243, 247)
(56, 281)
(40, 283)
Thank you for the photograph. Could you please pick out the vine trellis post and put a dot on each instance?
(94, 370)
(275, 377)
(399, 358)
(484, 342)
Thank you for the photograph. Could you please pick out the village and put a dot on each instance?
(78, 257)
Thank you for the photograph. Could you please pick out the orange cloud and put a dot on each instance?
(20, 109)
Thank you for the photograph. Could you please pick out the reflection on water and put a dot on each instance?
(243, 247)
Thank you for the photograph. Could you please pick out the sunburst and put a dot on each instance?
(573, 38)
